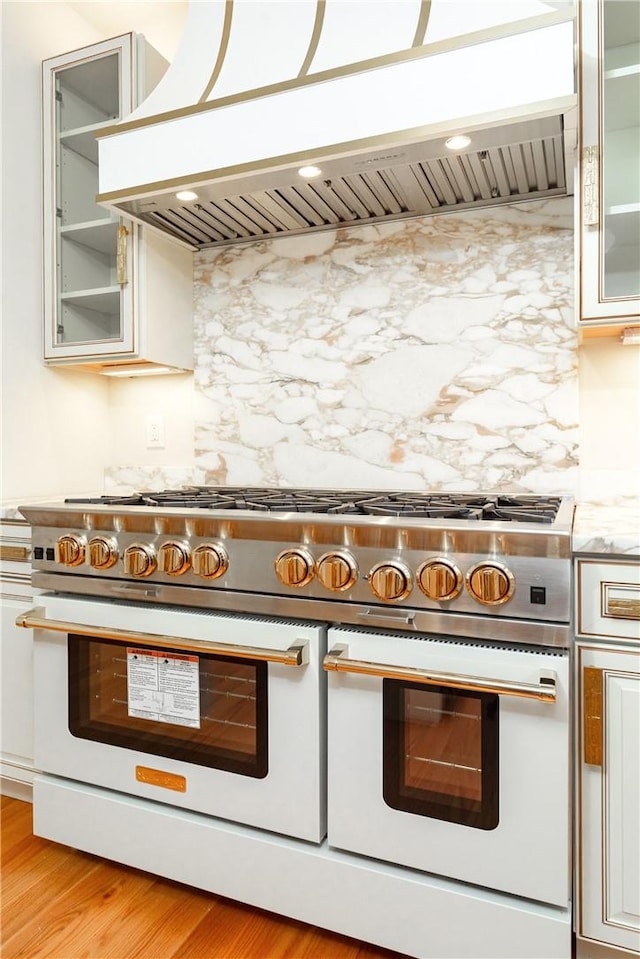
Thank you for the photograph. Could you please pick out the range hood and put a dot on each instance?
(366, 91)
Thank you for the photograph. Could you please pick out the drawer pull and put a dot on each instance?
(623, 608)
(15, 554)
(592, 715)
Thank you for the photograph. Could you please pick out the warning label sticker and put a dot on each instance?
(163, 686)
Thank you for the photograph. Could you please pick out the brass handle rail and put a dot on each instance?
(293, 656)
(545, 690)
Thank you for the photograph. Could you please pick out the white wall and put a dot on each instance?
(60, 429)
(55, 424)
(609, 384)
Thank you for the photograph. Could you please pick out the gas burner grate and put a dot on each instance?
(411, 505)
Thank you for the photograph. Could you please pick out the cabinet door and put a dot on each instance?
(16, 667)
(88, 296)
(609, 780)
(610, 195)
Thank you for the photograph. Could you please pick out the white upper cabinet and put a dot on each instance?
(114, 296)
(610, 188)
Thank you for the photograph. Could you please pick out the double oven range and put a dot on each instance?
(350, 707)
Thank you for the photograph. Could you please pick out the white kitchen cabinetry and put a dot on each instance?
(16, 668)
(115, 294)
(608, 756)
(610, 171)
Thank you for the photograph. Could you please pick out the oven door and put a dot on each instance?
(452, 757)
(215, 713)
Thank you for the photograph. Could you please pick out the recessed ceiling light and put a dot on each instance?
(186, 195)
(309, 171)
(457, 142)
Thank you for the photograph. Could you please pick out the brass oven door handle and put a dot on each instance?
(544, 690)
(296, 655)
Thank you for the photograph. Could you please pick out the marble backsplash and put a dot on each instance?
(437, 352)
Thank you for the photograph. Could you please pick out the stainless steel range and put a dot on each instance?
(367, 691)
(320, 554)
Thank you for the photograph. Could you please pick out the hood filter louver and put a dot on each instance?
(440, 184)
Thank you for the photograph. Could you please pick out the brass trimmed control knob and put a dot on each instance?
(70, 549)
(139, 560)
(337, 571)
(102, 552)
(173, 558)
(390, 581)
(439, 579)
(490, 583)
(295, 567)
(210, 560)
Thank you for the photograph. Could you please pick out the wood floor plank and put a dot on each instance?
(58, 903)
(157, 923)
(95, 903)
(22, 888)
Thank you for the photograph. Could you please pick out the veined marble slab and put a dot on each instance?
(431, 353)
(607, 529)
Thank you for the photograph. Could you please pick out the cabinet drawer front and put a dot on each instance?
(608, 599)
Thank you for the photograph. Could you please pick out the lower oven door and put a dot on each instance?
(464, 773)
(215, 713)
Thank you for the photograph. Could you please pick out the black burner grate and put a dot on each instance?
(412, 505)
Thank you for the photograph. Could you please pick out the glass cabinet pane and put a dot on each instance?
(207, 710)
(88, 296)
(620, 97)
(440, 753)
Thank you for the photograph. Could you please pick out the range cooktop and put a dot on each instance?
(412, 505)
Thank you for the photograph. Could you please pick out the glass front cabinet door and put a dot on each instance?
(610, 172)
(114, 294)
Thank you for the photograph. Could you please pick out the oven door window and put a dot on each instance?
(205, 709)
(440, 753)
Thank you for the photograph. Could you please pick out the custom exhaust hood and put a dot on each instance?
(367, 92)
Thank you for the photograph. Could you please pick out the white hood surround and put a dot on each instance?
(368, 91)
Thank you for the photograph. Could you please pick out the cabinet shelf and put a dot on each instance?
(622, 98)
(104, 299)
(631, 70)
(98, 235)
(82, 140)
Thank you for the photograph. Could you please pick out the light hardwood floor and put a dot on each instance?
(58, 903)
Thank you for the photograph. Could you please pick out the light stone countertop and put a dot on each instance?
(607, 529)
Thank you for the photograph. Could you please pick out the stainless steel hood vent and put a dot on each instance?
(376, 128)
(527, 162)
